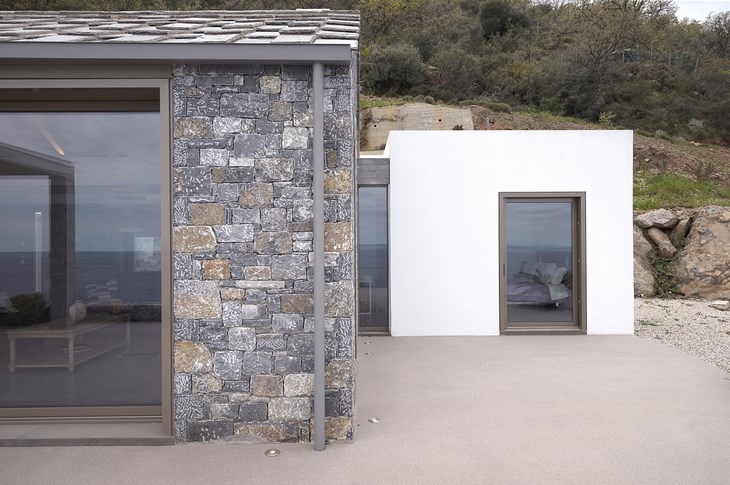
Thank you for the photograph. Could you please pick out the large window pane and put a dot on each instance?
(539, 261)
(80, 289)
(373, 257)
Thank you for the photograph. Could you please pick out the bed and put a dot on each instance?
(540, 283)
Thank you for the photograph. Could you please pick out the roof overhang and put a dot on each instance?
(173, 53)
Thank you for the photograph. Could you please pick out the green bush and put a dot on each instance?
(393, 70)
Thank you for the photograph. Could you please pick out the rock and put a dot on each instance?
(643, 276)
(660, 238)
(339, 374)
(337, 428)
(207, 214)
(720, 304)
(661, 218)
(216, 269)
(338, 236)
(701, 269)
(196, 299)
(299, 385)
(192, 239)
(681, 230)
(290, 409)
(267, 385)
(266, 432)
(192, 357)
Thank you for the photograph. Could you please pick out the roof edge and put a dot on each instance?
(182, 53)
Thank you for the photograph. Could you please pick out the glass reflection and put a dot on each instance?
(539, 261)
(80, 289)
(373, 257)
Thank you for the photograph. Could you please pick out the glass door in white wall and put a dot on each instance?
(541, 263)
(373, 259)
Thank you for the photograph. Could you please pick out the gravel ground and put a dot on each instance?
(688, 325)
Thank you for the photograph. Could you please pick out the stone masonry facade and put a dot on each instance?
(242, 252)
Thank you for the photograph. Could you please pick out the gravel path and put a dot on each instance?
(688, 325)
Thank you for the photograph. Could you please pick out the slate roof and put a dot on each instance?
(282, 27)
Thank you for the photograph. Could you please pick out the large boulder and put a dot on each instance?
(643, 276)
(702, 268)
(660, 218)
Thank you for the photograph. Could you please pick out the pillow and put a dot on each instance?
(545, 272)
(558, 275)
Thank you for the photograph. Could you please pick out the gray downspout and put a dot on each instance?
(318, 194)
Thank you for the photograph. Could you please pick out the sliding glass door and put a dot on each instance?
(373, 258)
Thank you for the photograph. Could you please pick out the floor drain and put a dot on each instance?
(272, 452)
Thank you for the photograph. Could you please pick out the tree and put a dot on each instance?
(717, 29)
(392, 69)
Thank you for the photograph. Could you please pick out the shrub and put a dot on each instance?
(393, 69)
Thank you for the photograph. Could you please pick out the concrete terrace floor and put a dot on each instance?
(481, 410)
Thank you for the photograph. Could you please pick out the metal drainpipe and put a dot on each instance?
(318, 194)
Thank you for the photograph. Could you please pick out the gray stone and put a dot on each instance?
(294, 91)
(226, 126)
(267, 432)
(661, 218)
(287, 365)
(228, 364)
(244, 105)
(270, 84)
(253, 411)
(340, 374)
(300, 345)
(202, 106)
(242, 338)
(339, 300)
(303, 210)
(227, 192)
(289, 267)
(224, 410)
(720, 305)
(241, 385)
(273, 243)
(258, 363)
(234, 233)
(192, 181)
(257, 195)
(643, 275)
(231, 314)
(245, 216)
(250, 312)
(209, 430)
(290, 409)
(273, 219)
(274, 169)
(295, 138)
(182, 384)
(280, 111)
(273, 342)
(249, 146)
(287, 323)
(189, 406)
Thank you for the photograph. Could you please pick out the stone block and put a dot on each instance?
(192, 128)
(246, 216)
(273, 219)
(294, 91)
(660, 218)
(240, 385)
(244, 105)
(287, 323)
(301, 304)
(272, 342)
(256, 363)
(303, 210)
(250, 312)
(253, 411)
(338, 181)
(232, 314)
(223, 410)
(289, 267)
(216, 269)
(196, 299)
(248, 145)
(274, 169)
(287, 365)
(189, 406)
(295, 138)
(339, 374)
(339, 299)
(301, 345)
(228, 364)
(224, 192)
(214, 336)
(267, 385)
(257, 273)
(257, 195)
(273, 243)
(193, 181)
(182, 383)
(206, 384)
(238, 175)
(266, 432)
(338, 236)
(234, 233)
(206, 214)
(290, 409)
(233, 294)
(338, 428)
(302, 246)
(193, 239)
(226, 126)
(270, 84)
(209, 430)
(242, 338)
(280, 111)
(299, 385)
(214, 157)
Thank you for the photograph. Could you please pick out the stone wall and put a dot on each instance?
(242, 247)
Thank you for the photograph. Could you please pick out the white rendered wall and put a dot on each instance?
(444, 222)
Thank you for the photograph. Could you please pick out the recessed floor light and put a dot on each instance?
(272, 452)
(374, 420)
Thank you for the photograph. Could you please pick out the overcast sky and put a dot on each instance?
(700, 9)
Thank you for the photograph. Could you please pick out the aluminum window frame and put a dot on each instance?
(162, 413)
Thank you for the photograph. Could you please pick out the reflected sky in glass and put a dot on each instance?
(116, 162)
